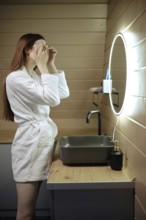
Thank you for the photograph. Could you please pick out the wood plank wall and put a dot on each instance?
(128, 17)
(78, 33)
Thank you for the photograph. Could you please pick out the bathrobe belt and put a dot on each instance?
(35, 121)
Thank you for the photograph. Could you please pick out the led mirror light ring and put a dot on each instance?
(119, 35)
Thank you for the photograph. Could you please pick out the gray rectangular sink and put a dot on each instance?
(85, 149)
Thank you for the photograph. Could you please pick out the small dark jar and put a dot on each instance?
(116, 160)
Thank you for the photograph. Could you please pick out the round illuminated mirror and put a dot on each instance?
(118, 73)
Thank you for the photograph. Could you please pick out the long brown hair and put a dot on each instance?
(25, 43)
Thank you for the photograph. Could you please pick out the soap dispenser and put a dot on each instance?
(116, 160)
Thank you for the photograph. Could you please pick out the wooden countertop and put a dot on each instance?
(86, 177)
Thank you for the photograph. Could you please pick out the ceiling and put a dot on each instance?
(20, 2)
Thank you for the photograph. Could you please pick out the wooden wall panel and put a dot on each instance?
(137, 112)
(63, 50)
(65, 38)
(54, 25)
(74, 115)
(137, 31)
(135, 133)
(75, 62)
(137, 89)
(128, 17)
(45, 2)
(111, 7)
(83, 74)
(79, 85)
(74, 105)
(118, 10)
(126, 20)
(77, 32)
(141, 192)
(54, 11)
(139, 211)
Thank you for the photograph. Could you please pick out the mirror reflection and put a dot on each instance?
(118, 73)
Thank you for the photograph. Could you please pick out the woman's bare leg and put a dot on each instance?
(27, 194)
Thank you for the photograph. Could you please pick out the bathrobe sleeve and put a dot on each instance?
(62, 85)
(49, 92)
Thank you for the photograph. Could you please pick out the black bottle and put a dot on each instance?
(116, 161)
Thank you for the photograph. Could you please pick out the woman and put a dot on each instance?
(27, 100)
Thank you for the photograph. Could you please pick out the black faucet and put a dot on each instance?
(99, 119)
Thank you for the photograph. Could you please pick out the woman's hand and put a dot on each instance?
(52, 54)
(40, 56)
(51, 61)
(44, 57)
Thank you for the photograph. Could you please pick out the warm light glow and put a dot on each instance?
(129, 104)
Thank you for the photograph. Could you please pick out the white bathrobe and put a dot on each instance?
(30, 99)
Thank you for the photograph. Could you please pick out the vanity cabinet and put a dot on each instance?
(89, 192)
(84, 204)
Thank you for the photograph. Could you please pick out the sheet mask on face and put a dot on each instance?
(37, 45)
